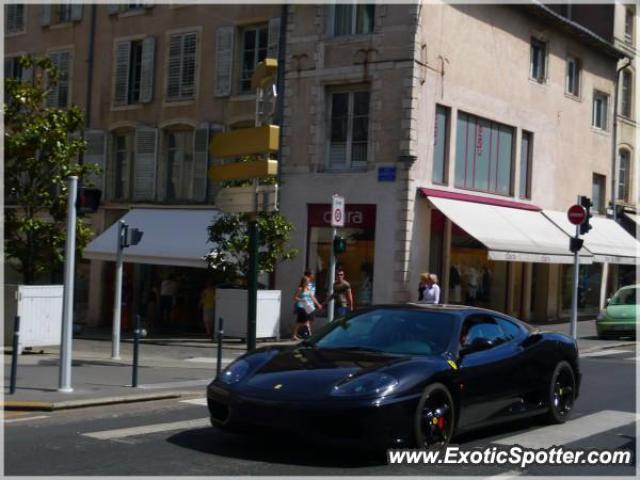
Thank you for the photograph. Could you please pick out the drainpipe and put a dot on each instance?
(92, 36)
(614, 144)
(280, 87)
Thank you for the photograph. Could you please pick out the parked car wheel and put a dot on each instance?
(435, 418)
(561, 393)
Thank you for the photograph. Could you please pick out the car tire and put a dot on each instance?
(435, 417)
(561, 393)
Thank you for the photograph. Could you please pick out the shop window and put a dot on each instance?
(538, 67)
(349, 129)
(624, 177)
(436, 245)
(598, 193)
(255, 42)
(526, 150)
(356, 261)
(588, 287)
(573, 76)
(441, 145)
(352, 19)
(599, 114)
(484, 155)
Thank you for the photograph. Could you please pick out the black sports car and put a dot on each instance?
(401, 375)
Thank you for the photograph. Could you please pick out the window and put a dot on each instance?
(59, 94)
(349, 129)
(122, 166)
(12, 68)
(14, 18)
(600, 105)
(484, 153)
(179, 172)
(61, 13)
(181, 71)
(353, 19)
(526, 148)
(255, 42)
(441, 145)
(625, 94)
(628, 25)
(624, 176)
(538, 60)
(598, 193)
(573, 76)
(134, 71)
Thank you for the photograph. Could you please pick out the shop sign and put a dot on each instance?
(355, 215)
(386, 174)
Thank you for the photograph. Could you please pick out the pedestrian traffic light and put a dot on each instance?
(339, 244)
(575, 244)
(87, 200)
(586, 203)
(132, 237)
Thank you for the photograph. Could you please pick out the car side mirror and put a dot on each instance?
(478, 344)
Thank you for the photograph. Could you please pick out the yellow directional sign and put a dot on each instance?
(264, 73)
(246, 141)
(243, 170)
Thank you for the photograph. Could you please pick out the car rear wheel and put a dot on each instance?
(562, 393)
(435, 418)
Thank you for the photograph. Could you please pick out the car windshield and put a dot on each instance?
(626, 296)
(398, 331)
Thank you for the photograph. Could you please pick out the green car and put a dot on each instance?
(619, 316)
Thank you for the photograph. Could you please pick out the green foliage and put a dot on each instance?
(40, 148)
(229, 259)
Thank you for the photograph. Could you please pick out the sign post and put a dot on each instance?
(337, 220)
(577, 215)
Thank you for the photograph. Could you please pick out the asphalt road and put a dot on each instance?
(174, 438)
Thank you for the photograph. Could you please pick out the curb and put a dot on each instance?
(608, 347)
(28, 405)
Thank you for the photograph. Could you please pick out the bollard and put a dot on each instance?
(14, 354)
(136, 347)
(220, 338)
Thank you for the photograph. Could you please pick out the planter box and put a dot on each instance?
(40, 311)
(231, 305)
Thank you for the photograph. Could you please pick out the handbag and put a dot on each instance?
(309, 308)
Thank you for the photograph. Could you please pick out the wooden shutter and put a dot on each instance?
(144, 177)
(76, 12)
(147, 69)
(121, 87)
(200, 161)
(213, 187)
(224, 60)
(175, 66)
(189, 60)
(64, 64)
(96, 153)
(274, 38)
(46, 15)
(113, 9)
(52, 97)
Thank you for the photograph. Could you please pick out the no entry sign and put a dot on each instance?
(337, 211)
(577, 214)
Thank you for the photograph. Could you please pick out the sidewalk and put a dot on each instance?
(169, 368)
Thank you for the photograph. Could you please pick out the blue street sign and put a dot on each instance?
(386, 174)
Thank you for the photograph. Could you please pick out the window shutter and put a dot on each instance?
(175, 64)
(27, 74)
(121, 87)
(213, 187)
(147, 69)
(274, 38)
(96, 153)
(8, 67)
(113, 9)
(76, 12)
(144, 177)
(110, 187)
(63, 83)
(46, 15)
(52, 97)
(224, 60)
(200, 161)
(189, 65)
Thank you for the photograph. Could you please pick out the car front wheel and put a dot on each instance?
(435, 418)
(562, 393)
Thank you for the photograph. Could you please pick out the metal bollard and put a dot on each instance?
(136, 348)
(220, 338)
(14, 354)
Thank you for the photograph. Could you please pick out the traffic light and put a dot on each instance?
(575, 244)
(87, 200)
(132, 236)
(586, 203)
(339, 244)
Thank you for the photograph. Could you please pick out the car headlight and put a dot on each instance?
(234, 372)
(378, 384)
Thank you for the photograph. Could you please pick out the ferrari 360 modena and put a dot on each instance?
(401, 376)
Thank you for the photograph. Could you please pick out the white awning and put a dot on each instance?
(510, 234)
(171, 237)
(634, 217)
(607, 240)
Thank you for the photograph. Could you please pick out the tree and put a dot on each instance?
(40, 149)
(229, 259)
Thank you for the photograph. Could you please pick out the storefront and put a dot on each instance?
(358, 259)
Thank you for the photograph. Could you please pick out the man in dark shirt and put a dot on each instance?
(342, 295)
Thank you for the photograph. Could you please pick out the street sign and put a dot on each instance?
(243, 199)
(577, 214)
(337, 211)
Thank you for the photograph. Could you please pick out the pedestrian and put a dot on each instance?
(312, 280)
(429, 291)
(207, 304)
(306, 305)
(168, 291)
(342, 295)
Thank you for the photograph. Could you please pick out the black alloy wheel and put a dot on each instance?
(435, 418)
(562, 393)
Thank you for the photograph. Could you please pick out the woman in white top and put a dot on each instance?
(431, 292)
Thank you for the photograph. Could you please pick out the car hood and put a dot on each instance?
(312, 372)
(622, 312)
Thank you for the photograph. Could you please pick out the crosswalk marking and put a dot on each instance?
(23, 419)
(572, 430)
(208, 360)
(602, 353)
(186, 383)
(195, 401)
(147, 429)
